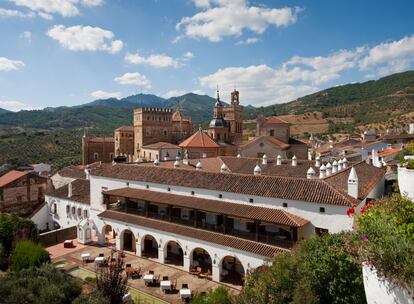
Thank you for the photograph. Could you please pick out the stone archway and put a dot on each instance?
(149, 247)
(200, 261)
(173, 253)
(128, 242)
(108, 235)
(232, 271)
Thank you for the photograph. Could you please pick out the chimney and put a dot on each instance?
(199, 166)
(186, 160)
(294, 161)
(311, 173)
(344, 163)
(204, 155)
(176, 164)
(156, 162)
(87, 173)
(328, 169)
(167, 156)
(322, 171)
(279, 160)
(318, 161)
(257, 170)
(70, 193)
(340, 165)
(335, 166)
(238, 155)
(224, 168)
(264, 160)
(353, 183)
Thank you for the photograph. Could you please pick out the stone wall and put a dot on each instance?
(54, 237)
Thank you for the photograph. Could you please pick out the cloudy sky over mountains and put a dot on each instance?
(67, 52)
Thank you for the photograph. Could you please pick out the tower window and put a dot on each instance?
(220, 195)
(168, 189)
(251, 200)
(322, 209)
(147, 186)
(285, 205)
(192, 192)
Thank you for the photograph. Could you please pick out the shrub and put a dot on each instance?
(219, 295)
(386, 239)
(92, 298)
(38, 285)
(28, 254)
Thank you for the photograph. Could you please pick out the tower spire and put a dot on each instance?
(218, 95)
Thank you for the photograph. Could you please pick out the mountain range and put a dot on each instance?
(373, 101)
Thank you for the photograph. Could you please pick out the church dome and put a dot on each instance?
(218, 123)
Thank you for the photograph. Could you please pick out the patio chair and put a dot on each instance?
(136, 273)
(165, 278)
(174, 285)
(151, 272)
(184, 286)
(101, 255)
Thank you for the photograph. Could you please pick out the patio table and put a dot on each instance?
(148, 278)
(165, 285)
(99, 260)
(185, 293)
(85, 256)
(68, 244)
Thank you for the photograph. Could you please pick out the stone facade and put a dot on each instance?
(96, 149)
(124, 141)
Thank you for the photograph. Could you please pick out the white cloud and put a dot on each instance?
(298, 76)
(85, 38)
(248, 41)
(13, 105)
(45, 16)
(155, 60)
(389, 57)
(26, 35)
(65, 8)
(104, 95)
(14, 13)
(221, 18)
(10, 65)
(188, 56)
(134, 79)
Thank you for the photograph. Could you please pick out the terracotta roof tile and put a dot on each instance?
(76, 172)
(271, 140)
(161, 145)
(199, 234)
(11, 176)
(300, 189)
(270, 215)
(199, 139)
(80, 192)
(275, 120)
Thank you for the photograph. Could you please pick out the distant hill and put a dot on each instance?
(369, 102)
(3, 111)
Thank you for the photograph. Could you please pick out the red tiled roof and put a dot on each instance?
(80, 192)
(161, 145)
(199, 234)
(275, 120)
(199, 139)
(270, 215)
(271, 140)
(388, 152)
(10, 177)
(76, 172)
(299, 189)
(125, 129)
(398, 136)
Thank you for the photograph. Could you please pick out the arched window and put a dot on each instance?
(73, 210)
(95, 156)
(85, 213)
(67, 209)
(79, 212)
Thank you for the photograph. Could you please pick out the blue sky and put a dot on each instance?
(68, 52)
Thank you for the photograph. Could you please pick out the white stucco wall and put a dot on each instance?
(334, 218)
(42, 218)
(379, 291)
(61, 217)
(216, 252)
(406, 182)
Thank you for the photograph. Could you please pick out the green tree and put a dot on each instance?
(38, 286)
(219, 295)
(28, 254)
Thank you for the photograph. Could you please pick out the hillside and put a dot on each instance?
(3, 111)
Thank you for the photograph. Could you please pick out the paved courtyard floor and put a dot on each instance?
(72, 258)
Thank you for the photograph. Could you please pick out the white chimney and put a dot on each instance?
(353, 183)
(264, 160)
(411, 129)
(322, 171)
(224, 168)
(340, 165)
(167, 156)
(204, 155)
(176, 164)
(345, 163)
(257, 170)
(156, 162)
(70, 193)
(328, 169)
(318, 161)
(311, 173)
(294, 161)
(87, 173)
(335, 166)
(309, 155)
(238, 155)
(186, 160)
(279, 160)
(199, 166)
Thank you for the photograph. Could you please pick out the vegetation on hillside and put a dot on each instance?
(28, 254)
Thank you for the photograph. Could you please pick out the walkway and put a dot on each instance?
(73, 258)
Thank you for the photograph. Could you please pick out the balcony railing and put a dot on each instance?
(269, 238)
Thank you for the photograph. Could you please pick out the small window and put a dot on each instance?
(192, 192)
(321, 231)
(67, 209)
(220, 195)
(147, 186)
(95, 156)
(251, 200)
(169, 189)
(85, 213)
(322, 209)
(127, 184)
(285, 205)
